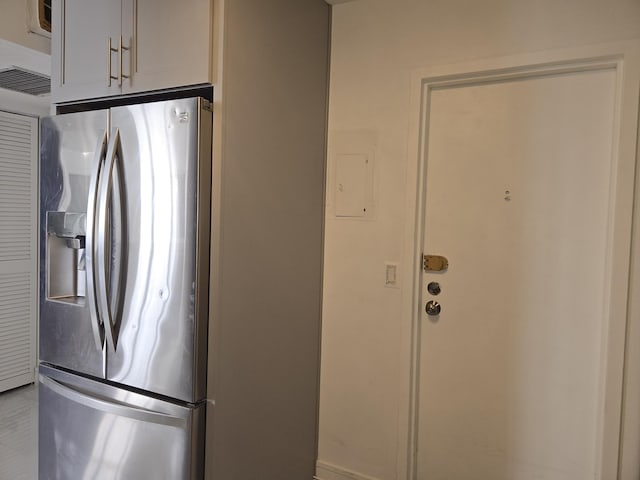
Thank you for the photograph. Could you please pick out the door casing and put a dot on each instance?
(620, 438)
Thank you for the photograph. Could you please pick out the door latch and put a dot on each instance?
(434, 263)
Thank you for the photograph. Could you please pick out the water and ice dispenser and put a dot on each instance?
(66, 274)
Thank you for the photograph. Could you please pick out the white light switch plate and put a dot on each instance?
(391, 275)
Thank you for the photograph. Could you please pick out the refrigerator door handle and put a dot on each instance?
(112, 406)
(90, 243)
(110, 310)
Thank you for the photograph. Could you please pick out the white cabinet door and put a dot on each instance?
(169, 43)
(80, 48)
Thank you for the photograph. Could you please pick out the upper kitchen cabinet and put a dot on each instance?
(102, 48)
(80, 32)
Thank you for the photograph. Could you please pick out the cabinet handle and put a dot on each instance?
(109, 51)
(120, 75)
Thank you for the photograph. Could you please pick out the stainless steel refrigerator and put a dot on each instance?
(124, 282)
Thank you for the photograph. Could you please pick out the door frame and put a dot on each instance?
(620, 425)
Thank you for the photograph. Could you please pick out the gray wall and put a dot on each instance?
(269, 165)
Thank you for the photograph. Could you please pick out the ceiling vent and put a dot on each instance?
(24, 81)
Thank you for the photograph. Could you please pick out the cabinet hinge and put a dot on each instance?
(207, 105)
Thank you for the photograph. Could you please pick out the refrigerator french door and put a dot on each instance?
(125, 209)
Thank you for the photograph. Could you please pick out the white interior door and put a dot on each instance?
(520, 189)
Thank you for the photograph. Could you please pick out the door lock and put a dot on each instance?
(433, 308)
(434, 288)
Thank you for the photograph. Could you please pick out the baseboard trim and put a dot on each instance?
(328, 471)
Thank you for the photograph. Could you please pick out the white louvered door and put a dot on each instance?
(18, 248)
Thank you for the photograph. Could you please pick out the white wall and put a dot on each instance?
(10, 101)
(14, 25)
(23, 48)
(376, 44)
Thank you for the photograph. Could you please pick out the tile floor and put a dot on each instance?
(19, 434)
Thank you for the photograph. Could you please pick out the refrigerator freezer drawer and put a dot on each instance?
(90, 430)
